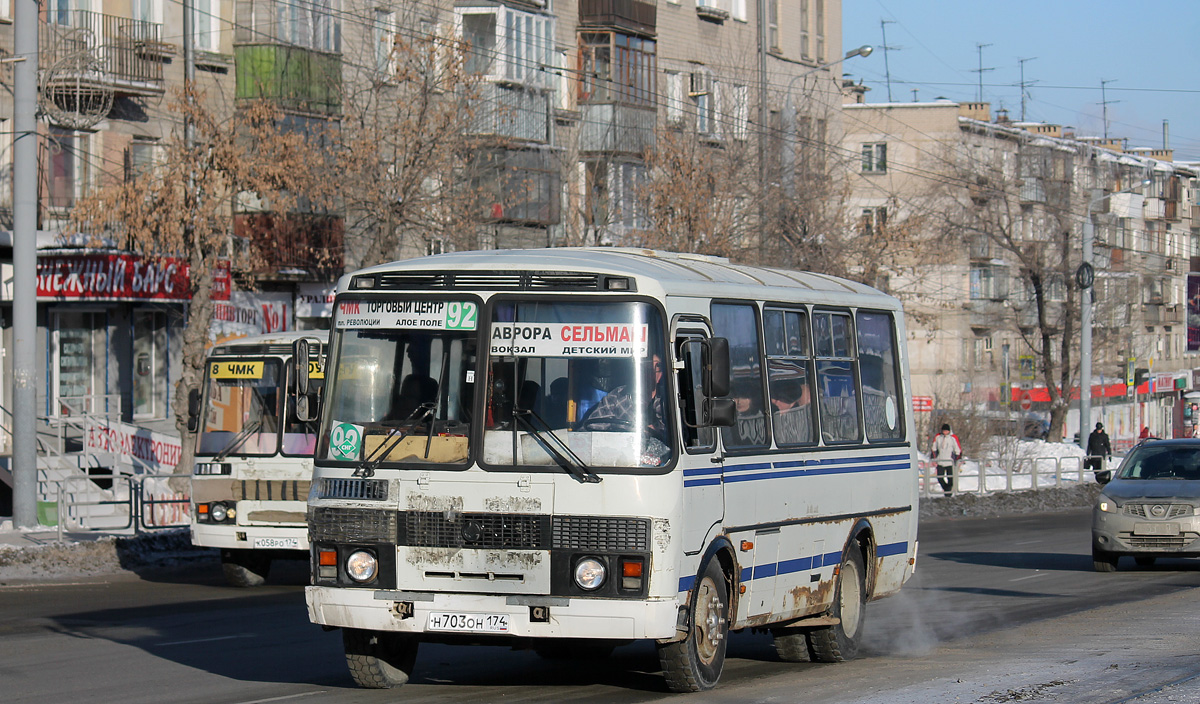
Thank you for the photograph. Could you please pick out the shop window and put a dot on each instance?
(150, 368)
(79, 358)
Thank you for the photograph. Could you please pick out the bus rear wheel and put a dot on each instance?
(694, 664)
(379, 660)
(245, 568)
(839, 642)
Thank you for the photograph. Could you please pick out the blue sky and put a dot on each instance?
(1148, 49)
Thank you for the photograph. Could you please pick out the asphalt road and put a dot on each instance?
(1001, 609)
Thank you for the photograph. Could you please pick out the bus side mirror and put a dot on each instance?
(300, 355)
(716, 367)
(193, 421)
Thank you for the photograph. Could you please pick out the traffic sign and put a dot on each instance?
(1026, 401)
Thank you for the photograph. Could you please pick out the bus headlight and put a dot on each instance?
(589, 573)
(218, 512)
(362, 566)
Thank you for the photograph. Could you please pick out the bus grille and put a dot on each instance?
(490, 281)
(272, 490)
(506, 531)
(360, 489)
(351, 525)
(602, 534)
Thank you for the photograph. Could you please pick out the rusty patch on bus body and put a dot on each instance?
(513, 504)
(440, 557)
(423, 502)
(523, 559)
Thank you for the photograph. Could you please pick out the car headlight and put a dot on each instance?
(362, 566)
(589, 573)
(218, 512)
(1106, 504)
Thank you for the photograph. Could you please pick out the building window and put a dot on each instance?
(617, 68)
(805, 50)
(874, 157)
(311, 24)
(206, 24)
(507, 44)
(79, 347)
(772, 25)
(674, 98)
(385, 42)
(144, 10)
(140, 158)
(739, 112)
(819, 18)
(989, 282)
(435, 245)
(738, 9)
(703, 94)
(518, 185)
(873, 221)
(613, 196)
(69, 167)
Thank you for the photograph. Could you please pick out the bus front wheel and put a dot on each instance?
(839, 642)
(379, 660)
(694, 664)
(245, 568)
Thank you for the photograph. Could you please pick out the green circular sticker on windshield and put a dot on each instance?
(345, 441)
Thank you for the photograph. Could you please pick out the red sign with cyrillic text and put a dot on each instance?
(111, 277)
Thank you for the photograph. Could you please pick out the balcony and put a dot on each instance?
(89, 51)
(614, 128)
(629, 15)
(294, 78)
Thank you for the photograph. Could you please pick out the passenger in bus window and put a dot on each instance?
(618, 411)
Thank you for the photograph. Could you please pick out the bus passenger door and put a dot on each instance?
(701, 465)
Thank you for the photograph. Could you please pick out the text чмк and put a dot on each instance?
(412, 307)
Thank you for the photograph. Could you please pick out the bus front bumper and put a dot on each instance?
(561, 617)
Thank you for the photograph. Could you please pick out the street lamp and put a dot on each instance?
(789, 116)
(1085, 276)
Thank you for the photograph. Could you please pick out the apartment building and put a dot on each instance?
(992, 293)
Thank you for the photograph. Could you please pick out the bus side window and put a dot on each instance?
(837, 385)
(879, 369)
(690, 383)
(738, 322)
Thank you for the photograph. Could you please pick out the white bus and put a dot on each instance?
(570, 449)
(254, 452)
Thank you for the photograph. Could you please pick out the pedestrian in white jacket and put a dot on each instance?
(945, 452)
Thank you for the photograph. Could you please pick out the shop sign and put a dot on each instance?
(154, 452)
(315, 300)
(248, 313)
(111, 277)
(922, 404)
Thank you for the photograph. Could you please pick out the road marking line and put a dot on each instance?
(279, 699)
(203, 640)
(1028, 576)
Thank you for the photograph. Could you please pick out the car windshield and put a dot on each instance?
(242, 412)
(399, 383)
(1164, 462)
(577, 385)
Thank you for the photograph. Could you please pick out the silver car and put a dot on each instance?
(1151, 508)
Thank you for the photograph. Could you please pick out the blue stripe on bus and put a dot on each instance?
(800, 564)
(696, 471)
(715, 481)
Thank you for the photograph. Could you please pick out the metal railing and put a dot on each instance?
(116, 503)
(1016, 474)
(128, 50)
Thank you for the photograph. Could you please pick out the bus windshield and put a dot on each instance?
(577, 384)
(400, 388)
(242, 412)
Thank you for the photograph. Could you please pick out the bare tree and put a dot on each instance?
(182, 206)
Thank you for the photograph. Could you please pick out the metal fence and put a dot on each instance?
(120, 503)
(1018, 474)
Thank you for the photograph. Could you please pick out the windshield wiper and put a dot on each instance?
(566, 458)
(243, 435)
(366, 469)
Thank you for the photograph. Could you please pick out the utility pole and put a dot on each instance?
(887, 73)
(1104, 101)
(25, 204)
(1024, 84)
(761, 8)
(979, 48)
